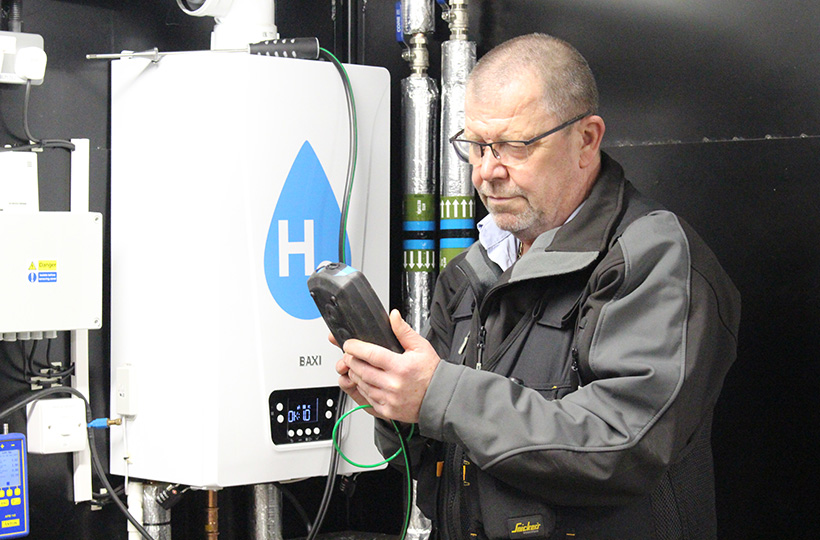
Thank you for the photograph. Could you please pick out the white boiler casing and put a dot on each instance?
(227, 177)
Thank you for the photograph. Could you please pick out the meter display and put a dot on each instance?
(14, 517)
(302, 414)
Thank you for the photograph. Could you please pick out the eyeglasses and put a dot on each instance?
(507, 152)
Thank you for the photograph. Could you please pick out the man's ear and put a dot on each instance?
(592, 130)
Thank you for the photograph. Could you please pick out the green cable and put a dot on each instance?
(402, 450)
(354, 151)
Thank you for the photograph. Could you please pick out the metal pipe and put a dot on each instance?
(212, 516)
(267, 512)
(16, 16)
(457, 202)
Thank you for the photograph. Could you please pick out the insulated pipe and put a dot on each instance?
(417, 17)
(155, 518)
(267, 512)
(457, 203)
(419, 103)
(419, 106)
(419, 527)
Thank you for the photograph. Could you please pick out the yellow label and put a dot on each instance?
(16, 500)
(529, 527)
(47, 265)
(4, 502)
(10, 523)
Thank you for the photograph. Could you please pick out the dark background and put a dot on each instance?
(710, 107)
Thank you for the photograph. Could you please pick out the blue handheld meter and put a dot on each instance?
(14, 518)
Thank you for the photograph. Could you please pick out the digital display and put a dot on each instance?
(303, 411)
(9, 468)
(302, 414)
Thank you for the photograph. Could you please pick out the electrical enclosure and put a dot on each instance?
(228, 173)
(50, 271)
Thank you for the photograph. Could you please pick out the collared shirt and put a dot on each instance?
(501, 245)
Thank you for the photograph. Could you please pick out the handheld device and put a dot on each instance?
(14, 516)
(350, 307)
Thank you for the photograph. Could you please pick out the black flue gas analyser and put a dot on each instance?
(350, 306)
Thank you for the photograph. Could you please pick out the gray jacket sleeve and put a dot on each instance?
(651, 342)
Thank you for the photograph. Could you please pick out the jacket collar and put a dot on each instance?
(579, 243)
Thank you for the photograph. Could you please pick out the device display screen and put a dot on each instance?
(303, 411)
(9, 468)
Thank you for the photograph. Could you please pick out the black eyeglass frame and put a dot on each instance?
(454, 139)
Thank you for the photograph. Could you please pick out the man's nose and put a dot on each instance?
(490, 166)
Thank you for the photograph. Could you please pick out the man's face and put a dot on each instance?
(540, 194)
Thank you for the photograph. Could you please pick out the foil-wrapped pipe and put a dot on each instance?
(418, 16)
(155, 518)
(457, 203)
(419, 107)
(419, 527)
(267, 512)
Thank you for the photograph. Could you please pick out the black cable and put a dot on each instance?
(331, 475)
(95, 459)
(34, 143)
(45, 374)
(8, 360)
(300, 510)
(25, 113)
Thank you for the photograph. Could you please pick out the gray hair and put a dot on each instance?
(568, 85)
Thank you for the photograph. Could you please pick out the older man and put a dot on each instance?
(566, 385)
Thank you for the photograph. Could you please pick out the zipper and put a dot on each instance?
(451, 511)
(576, 368)
(482, 336)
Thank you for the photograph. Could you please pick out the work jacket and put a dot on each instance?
(578, 388)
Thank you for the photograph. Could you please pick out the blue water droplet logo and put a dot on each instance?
(303, 232)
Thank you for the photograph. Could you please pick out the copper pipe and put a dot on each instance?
(212, 521)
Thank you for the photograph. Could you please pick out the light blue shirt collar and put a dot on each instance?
(501, 245)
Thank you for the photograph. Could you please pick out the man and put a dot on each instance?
(584, 338)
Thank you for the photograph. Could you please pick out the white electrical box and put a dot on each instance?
(56, 425)
(18, 182)
(228, 174)
(50, 271)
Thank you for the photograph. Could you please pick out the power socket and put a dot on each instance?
(56, 426)
(12, 43)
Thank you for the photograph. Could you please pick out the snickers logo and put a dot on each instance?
(527, 527)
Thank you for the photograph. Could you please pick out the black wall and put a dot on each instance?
(710, 107)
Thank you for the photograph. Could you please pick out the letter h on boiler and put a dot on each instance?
(288, 248)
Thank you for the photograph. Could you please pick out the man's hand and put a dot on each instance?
(394, 384)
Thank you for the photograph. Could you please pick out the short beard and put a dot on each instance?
(524, 223)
